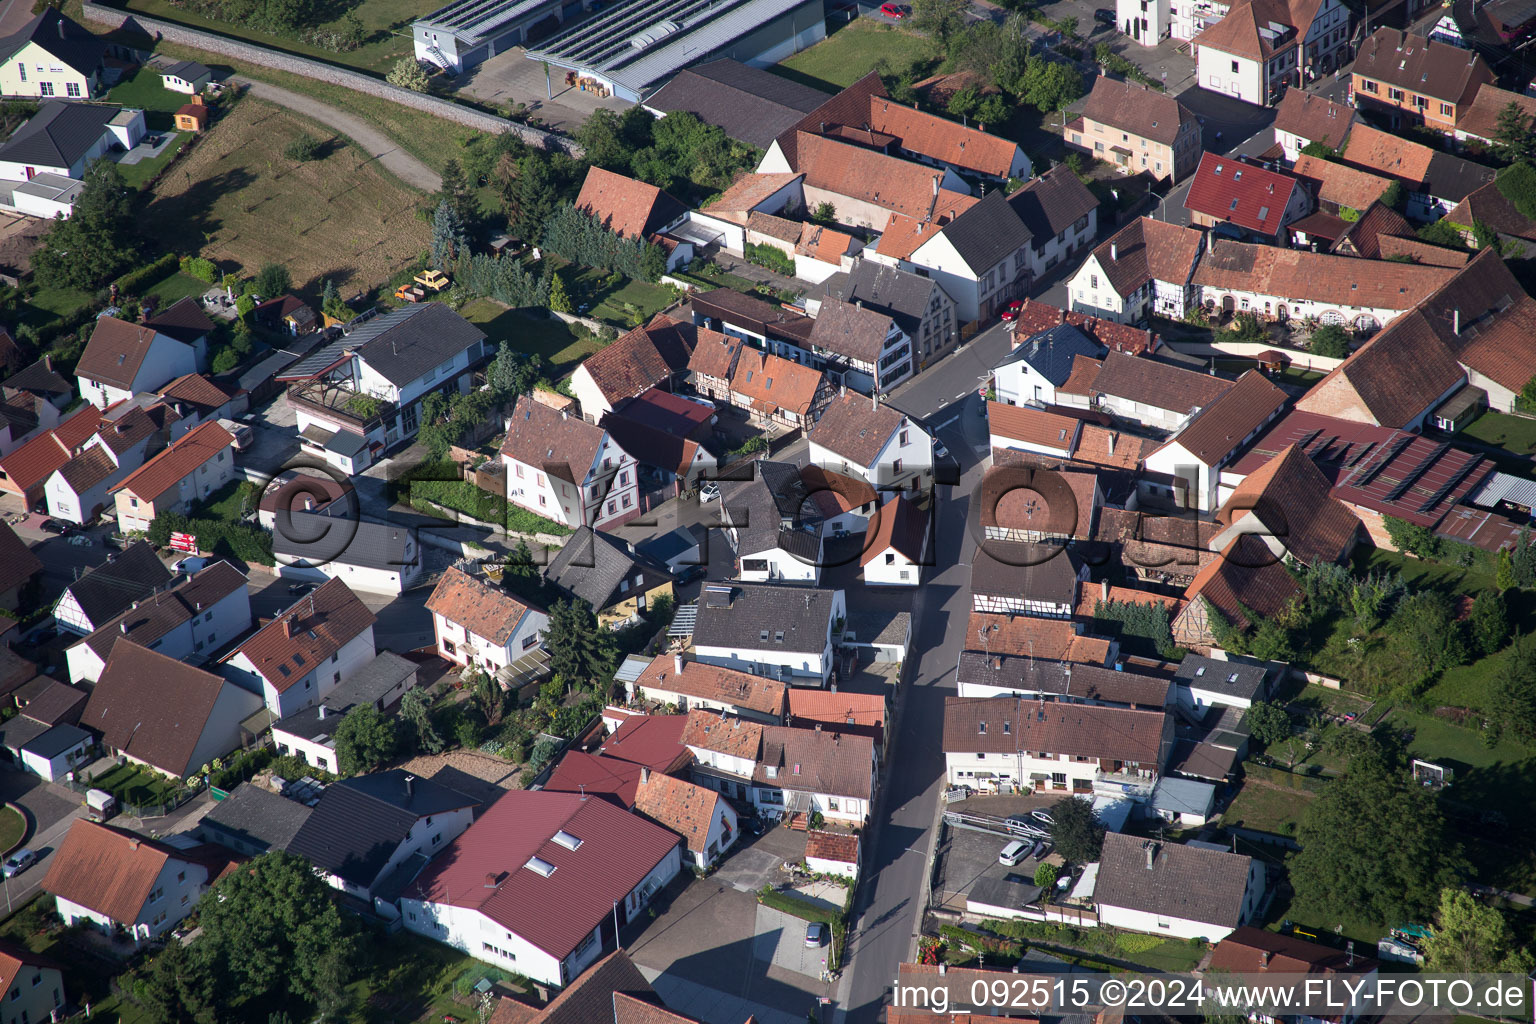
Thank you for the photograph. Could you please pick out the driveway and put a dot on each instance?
(510, 78)
(50, 811)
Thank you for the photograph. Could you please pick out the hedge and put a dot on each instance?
(131, 282)
(771, 257)
(240, 768)
(241, 540)
(989, 944)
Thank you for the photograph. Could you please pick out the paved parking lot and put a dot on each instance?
(781, 942)
(510, 77)
(966, 857)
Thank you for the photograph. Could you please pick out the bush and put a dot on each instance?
(1330, 340)
(770, 257)
(238, 540)
(203, 270)
(134, 281)
(240, 768)
(989, 944)
(302, 149)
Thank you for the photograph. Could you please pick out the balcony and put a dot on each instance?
(1123, 784)
(339, 403)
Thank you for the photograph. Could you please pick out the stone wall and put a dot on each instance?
(109, 19)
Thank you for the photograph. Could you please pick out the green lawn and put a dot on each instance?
(13, 828)
(1516, 433)
(224, 503)
(146, 91)
(386, 24)
(629, 305)
(132, 784)
(176, 287)
(1267, 809)
(139, 173)
(416, 979)
(720, 279)
(850, 53)
(559, 344)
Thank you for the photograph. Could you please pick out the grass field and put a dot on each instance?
(1267, 809)
(850, 53)
(176, 286)
(431, 139)
(559, 344)
(141, 172)
(1496, 428)
(146, 91)
(13, 828)
(237, 198)
(134, 785)
(386, 24)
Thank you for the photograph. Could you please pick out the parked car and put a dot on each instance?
(1014, 852)
(939, 451)
(708, 493)
(1011, 311)
(815, 934)
(18, 862)
(57, 526)
(895, 12)
(1104, 16)
(691, 573)
(1043, 816)
(190, 564)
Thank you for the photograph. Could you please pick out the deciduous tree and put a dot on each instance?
(96, 243)
(416, 714)
(272, 280)
(364, 740)
(1268, 722)
(1330, 340)
(1374, 845)
(408, 74)
(1078, 833)
(1470, 937)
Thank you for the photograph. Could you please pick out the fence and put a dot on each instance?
(1288, 779)
(224, 46)
(151, 810)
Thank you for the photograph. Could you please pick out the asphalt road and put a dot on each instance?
(888, 914)
(958, 376)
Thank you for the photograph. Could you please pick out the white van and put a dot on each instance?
(1014, 852)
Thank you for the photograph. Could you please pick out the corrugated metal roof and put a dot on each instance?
(1503, 487)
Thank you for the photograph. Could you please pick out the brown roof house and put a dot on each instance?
(712, 363)
(1024, 743)
(1260, 47)
(1192, 890)
(563, 468)
(1158, 395)
(1212, 439)
(122, 359)
(692, 685)
(299, 657)
(165, 714)
(189, 471)
(655, 355)
(897, 547)
(1302, 118)
(634, 209)
(79, 490)
(123, 884)
(771, 388)
(1479, 122)
(1146, 267)
(18, 566)
(1138, 129)
(1414, 80)
(705, 819)
(856, 436)
(478, 623)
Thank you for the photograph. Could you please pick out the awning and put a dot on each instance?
(1039, 777)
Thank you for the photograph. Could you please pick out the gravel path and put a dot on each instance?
(374, 142)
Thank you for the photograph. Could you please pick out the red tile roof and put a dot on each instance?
(771, 383)
(941, 139)
(38, 459)
(904, 235)
(1025, 637)
(13, 957)
(641, 359)
(1297, 274)
(1250, 950)
(1372, 149)
(711, 730)
(1250, 197)
(628, 208)
(746, 192)
(901, 527)
(1313, 118)
(1481, 119)
(833, 846)
(195, 389)
(556, 442)
(684, 808)
(591, 775)
(654, 741)
(1033, 426)
(313, 628)
(199, 445)
(1036, 316)
(715, 684)
(1341, 184)
(486, 869)
(1227, 422)
(1290, 497)
(900, 186)
(480, 607)
(807, 707)
(108, 870)
(856, 428)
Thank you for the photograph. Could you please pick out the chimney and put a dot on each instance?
(124, 627)
(818, 728)
(1112, 443)
(1264, 958)
(60, 24)
(645, 775)
(677, 662)
(1114, 252)
(410, 787)
(321, 711)
(1151, 849)
(997, 663)
(490, 879)
(565, 414)
(935, 186)
(288, 626)
(1104, 589)
(1456, 322)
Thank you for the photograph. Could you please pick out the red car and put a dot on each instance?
(1011, 311)
(895, 11)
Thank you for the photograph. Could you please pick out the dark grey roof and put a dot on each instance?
(359, 823)
(368, 685)
(40, 378)
(125, 577)
(669, 545)
(1011, 891)
(17, 732)
(748, 104)
(59, 134)
(56, 740)
(1052, 203)
(1187, 882)
(1231, 678)
(258, 818)
(1075, 681)
(1052, 350)
(879, 625)
(345, 443)
(899, 294)
(773, 509)
(592, 566)
(273, 363)
(60, 36)
(735, 615)
(1453, 178)
(188, 70)
(1032, 572)
(403, 345)
(318, 539)
(987, 232)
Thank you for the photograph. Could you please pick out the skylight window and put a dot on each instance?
(540, 867)
(1234, 204)
(298, 659)
(567, 840)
